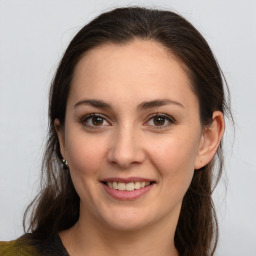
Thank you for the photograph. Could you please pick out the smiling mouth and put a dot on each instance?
(130, 186)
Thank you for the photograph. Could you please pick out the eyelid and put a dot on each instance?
(91, 115)
(165, 116)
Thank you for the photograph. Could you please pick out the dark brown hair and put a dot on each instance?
(57, 205)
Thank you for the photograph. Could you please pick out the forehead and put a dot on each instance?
(140, 68)
(141, 55)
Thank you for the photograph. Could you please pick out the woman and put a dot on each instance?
(136, 119)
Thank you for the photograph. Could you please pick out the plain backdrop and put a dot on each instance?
(33, 36)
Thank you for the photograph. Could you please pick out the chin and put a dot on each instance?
(126, 220)
(126, 225)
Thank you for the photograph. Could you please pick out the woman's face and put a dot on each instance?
(132, 135)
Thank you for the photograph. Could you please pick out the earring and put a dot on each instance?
(65, 164)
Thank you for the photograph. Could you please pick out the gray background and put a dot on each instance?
(33, 36)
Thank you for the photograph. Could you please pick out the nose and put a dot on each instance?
(126, 148)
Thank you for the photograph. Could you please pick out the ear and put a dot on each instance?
(210, 140)
(60, 132)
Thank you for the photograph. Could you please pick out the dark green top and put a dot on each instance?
(28, 245)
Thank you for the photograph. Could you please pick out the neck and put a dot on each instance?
(97, 239)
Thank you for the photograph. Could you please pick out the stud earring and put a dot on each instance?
(65, 164)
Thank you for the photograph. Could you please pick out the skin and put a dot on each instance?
(129, 141)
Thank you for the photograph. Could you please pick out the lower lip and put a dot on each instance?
(127, 195)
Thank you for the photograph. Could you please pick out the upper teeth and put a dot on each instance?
(128, 186)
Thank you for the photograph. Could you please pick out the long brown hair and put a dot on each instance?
(57, 205)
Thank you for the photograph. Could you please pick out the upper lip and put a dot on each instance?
(127, 180)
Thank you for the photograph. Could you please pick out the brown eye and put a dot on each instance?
(158, 120)
(97, 121)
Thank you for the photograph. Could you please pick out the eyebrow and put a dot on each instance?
(157, 103)
(142, 106)
(94, 103)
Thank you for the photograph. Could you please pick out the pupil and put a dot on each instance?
(158, 121)
(97, 121)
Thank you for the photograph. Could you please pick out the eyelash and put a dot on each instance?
(86, 118)
(165, 118)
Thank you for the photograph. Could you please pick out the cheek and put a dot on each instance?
(174, 159)
(85, 154)
(175, 154)
(85, 157)
(175, 167)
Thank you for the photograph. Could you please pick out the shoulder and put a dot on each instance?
(30, 245)
(21, 246)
